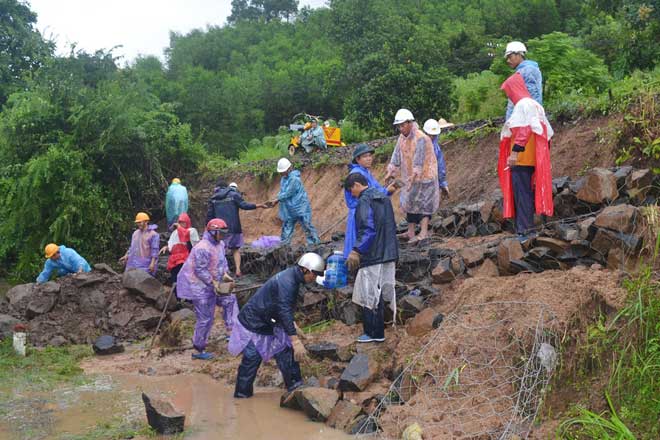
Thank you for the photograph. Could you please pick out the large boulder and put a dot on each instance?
(106, 344)
(41, 303)
(343, 414)
(162, 416)
(323, 350)
(19, 296)
(7, 324)
(92, 301)
(508, 250)
(599, 187)
(422, 323)
(148, 317)
(413, 266)
(619, 218)
(317, 402)
(141, 283)
(359, 373)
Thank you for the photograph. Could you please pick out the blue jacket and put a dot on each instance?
(225, 204)
(274, 303)
(176, 202)
(533, 80)
(352, 202)
(69, 262)
(293, 198)
(376, 240)
(442, 167)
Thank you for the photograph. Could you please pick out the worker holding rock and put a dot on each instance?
(432, 128)
(363, 158)
(413, 158)
(375, 254)
(515, 55)
(143, 252)
(266, 329)
(176, 201)
(63, 261)
(226, 204)
(313, 137)
(294, 204)
(524, 167)
(198, 281)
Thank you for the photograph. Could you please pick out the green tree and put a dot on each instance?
(262, 10)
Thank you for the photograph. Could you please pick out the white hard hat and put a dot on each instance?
(283, 165)
(312, 262)
(403, 115)
(514, 47)
(233, 185)
(431, 127)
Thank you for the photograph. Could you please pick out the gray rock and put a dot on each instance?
(92, 301)
(49, 287)
(19, 296)
(317, 402)
(409, 306)
(40, 304)
(162, 416)
(120, 319)
(621, 173)
(638, 184)
(86, 279)
(343, 415)
(102, 267)
(363, 425)
(599, 187)
(7, 324)
(443, 273)
(148, 318)
(349, 313)
(58, 341)
(143, 284)
(106, 344)
(182, 315)
(359, 373)
(587, 228)
(619, 218)
(323, 350)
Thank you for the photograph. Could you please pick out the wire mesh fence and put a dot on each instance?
(482, 375)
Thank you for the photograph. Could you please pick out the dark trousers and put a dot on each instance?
(523, 198)
(373, 321)
(173, 274)
(247, 371)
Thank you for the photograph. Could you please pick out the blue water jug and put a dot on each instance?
(336, 272)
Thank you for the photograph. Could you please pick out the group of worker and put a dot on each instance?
(265, 327)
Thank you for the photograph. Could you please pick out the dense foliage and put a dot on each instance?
(84, 143)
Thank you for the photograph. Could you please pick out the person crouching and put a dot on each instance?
(266, 329)
(198, 281)
(375, 253)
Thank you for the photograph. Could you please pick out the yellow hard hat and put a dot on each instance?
(176, 180)
(308, 125)
(141, 217)
(51, 249)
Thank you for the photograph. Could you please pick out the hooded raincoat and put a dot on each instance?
(176, 202)
(527, 124)
(295, 207)
(414, 159)
(69, 262)
(314, 137)
(533, 80)
(144, 247)
(352, 202)
(180, 242)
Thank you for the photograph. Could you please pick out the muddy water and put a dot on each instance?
(211, 411)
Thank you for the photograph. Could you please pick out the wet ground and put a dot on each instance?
(211, 411)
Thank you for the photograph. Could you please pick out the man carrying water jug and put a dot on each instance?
(374, 254)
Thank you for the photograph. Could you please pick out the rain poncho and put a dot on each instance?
(314, 137)
(176, 202)
(373, 281)
(179, 242)
(69, 262)
(442, 167)
(295, 207)
(352, 202)
(205, 264)
(533, 80)
(527, 121)
(414, 159)
(144, 247)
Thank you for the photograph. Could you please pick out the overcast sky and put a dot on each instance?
(142, 27)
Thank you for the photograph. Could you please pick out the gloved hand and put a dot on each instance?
(299, 350)
(353, 261)
(445, 191)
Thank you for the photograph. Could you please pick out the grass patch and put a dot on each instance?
(318, 326)
(118, 429)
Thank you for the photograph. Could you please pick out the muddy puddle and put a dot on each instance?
(211, 411)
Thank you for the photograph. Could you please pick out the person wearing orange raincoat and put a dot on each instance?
(524, 168)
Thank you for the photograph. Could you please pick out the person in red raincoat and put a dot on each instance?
(524, 167)
(182, 240)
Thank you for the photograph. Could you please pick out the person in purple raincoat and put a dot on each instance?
(143, 253)
(197, 281)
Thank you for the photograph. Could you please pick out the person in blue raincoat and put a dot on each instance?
(294, 204)
(313, 137)
(515, 55)
(176, 201)
(363, 158)
(433, 128)
(63, 261)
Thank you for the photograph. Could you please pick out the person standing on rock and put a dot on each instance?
(143, 252)
(413, 158)
(176, 201)
(433, 128)
(363, 158)
(226, 204)
(515, 54)
(63, 261)
(198, 281)
(375, 254)
(524, 167)
(266, 329)
(294, 204)
(181, 241)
